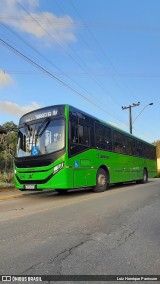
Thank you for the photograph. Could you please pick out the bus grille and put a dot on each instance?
(32, 164)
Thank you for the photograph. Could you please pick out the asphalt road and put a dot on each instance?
(82, 233)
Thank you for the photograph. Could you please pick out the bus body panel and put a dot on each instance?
(80, 170)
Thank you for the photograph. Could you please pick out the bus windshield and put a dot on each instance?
(41, 137)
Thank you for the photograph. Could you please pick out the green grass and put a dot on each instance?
(6, 181)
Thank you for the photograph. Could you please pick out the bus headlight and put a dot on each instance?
(58, 167)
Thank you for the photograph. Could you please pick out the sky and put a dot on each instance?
(95, 55)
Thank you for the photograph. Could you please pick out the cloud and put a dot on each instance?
(15, 109)
(46, 25)
(121, 126)
(5, 79)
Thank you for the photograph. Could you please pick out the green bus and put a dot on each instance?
(60, 148)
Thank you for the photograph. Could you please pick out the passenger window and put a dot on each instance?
(119, 142)
(103, 137)
(139, 149)
(130, 146)
(79, 133)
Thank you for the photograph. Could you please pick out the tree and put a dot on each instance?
(8, 146)
(157, 144)
(10, 126)
(2, 130)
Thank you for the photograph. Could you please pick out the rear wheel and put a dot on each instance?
(102, 181)
(145, 177)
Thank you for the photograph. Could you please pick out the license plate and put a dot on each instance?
(30, 186)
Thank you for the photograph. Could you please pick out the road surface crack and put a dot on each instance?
(124, 237)
(64, 254)
(33, 266)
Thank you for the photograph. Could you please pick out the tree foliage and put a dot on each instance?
(8, 146)
(157, 144)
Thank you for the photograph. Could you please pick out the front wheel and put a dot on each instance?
(102, 181)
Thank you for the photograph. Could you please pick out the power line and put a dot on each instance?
(100, 47)
(39, 24)
(44, 57)
(26, 58)
(93, 79)
(84, 63)
(20, 5)
(104, 25)
(138, 75)
(37, 65)
(50, 35)
(97, 82)
(49, 61)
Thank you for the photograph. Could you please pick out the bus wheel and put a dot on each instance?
(102, 182)
(144, 179)
(145, 176)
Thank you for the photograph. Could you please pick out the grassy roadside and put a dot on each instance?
(5, 186)
(6, 181)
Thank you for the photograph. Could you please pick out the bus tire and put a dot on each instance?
(145, 176)
(102, 181)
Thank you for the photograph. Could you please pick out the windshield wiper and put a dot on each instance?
(42, 128)
(29, 129)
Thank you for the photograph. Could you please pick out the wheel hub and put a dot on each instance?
(101, 180)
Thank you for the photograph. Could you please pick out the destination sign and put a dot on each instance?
(42, 113)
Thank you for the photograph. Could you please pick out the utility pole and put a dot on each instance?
(130, 113)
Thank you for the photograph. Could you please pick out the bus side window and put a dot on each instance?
(130, 146)
(83, 134)
(152, 153)
(79, 133)
(103, 137)
(139, 149)
(149, 152)
(119, 142)
(74, 132)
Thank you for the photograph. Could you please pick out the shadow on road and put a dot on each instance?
(76, 192)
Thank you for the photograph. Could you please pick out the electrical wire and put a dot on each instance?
(134, 75)
(99, 84)
(77, 62)
(101, 25)
(80, 65)
(26, 58)
(100, 47)
(49, 61)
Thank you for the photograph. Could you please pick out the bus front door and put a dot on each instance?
(82, 173)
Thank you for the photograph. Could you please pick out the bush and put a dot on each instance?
(6, 178)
